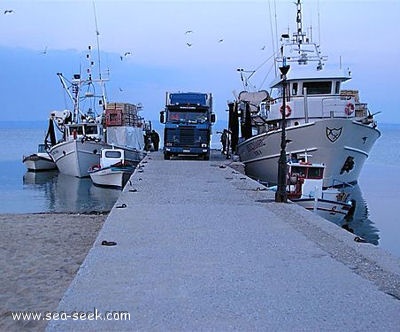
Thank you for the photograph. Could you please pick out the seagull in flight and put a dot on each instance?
(8, 11)
(125, 55)
(188, 44)
(188, 31)
(45, 50)
(220, 41)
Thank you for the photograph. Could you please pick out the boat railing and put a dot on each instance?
(337, 106)
(314, 106)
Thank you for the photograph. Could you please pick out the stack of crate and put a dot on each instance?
(351, 93)
(121, 114)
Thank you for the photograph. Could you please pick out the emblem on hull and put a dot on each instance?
(333, 134)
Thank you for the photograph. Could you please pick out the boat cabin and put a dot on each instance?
(111, 157)
(304, 179)
(91, 131)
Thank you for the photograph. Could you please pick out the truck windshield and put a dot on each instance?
(191, 117)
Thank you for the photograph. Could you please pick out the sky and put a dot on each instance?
(40, 38)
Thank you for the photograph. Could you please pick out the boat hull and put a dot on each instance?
(331, 210)
(111, 176)
(76, 157)
(39, 162)
(343, 145)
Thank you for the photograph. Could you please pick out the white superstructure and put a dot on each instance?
(320, 117)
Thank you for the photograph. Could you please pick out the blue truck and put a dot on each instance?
(188, 118)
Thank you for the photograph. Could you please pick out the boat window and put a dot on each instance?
(318, 88)
(315, 173)
(113, 154)
(78, 129)
(42, 148)
(337, 88)
(91, 130)
(294, 89)
(299, 170)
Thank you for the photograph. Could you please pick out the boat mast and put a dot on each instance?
(73, 94)
(101, 81)
(306, 49)
(299, 36)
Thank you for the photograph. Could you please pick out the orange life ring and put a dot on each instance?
(349, 109)
(288, 110)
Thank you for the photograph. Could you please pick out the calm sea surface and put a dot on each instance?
(376, 217)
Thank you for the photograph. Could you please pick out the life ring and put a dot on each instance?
(349, 109)
(288, 110)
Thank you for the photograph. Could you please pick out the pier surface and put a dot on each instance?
(201, 247)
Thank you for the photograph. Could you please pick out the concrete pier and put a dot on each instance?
(201, 247)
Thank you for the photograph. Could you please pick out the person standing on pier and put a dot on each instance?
(155, 138)
(224, 138)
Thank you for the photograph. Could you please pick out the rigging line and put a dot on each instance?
(319, 25)
(265, 77)
(262, 64)
(103, 87)
(271, 27)
(97, 38)
(276, 34)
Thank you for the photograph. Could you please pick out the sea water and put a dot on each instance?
(32, 192)
(28, 192)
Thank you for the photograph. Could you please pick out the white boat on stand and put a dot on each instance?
(39, 161)
(114, 170)
(320, 117)
(305, 188)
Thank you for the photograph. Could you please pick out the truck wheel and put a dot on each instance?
(206, 156)
(167, 156)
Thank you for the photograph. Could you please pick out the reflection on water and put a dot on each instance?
(64, 193)
(359, 223)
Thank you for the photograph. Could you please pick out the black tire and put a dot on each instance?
(167, 156)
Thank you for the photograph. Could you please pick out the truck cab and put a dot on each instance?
(188, 118)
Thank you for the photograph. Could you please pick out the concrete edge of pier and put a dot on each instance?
(370, 262)
(370, 259)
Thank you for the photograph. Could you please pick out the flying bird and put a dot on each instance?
(45, 50)
(188, 31)
(8, 11)
(263, 48)
(220, 41)
(188, 44)
(125, 55)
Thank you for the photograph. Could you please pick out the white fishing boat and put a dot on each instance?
(39, 161)
(83, 130)
(305, 188)
(114, 169)
(319, 116)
